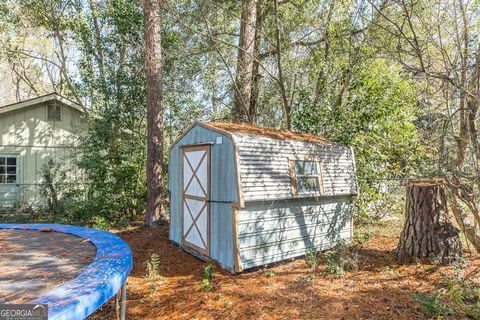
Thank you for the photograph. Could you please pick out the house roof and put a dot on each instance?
(45, 98)
(267, 132)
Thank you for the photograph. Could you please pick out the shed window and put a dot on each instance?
(54, 112)
(306, 177)
(8, 169)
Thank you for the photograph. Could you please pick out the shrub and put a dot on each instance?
(99, 222)
(311, 258)
(341, 259)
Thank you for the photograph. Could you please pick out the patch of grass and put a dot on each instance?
(306, 280)
(152, 287)
(432, 305)
(228, 303)
(269, 273)
(472, 311)
(360, 238)
(455, 297)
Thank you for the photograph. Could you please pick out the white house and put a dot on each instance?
(31, 132)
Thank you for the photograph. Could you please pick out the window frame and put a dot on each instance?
(54, 105)
(294, 178)
(6, 174)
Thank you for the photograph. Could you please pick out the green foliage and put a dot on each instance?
(432, 305)
(228, 303)
(206, 284)
(306, 279)
(341, 259)
(99, 222)
(360, 238)
(311, 258)
(269, 273)
(376, 118)
(209, 271)
(455, 296)
(53, 177)
(153, 266)
(472, 311)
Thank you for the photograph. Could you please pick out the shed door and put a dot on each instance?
(196, 193)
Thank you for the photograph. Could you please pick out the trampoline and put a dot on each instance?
(73, 270)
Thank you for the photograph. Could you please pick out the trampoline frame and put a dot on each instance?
(104, 278)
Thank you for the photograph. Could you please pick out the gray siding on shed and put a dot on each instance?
(223, 188)
(265, 170)
(272, 231)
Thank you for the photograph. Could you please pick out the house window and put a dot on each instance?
(306, 177)
(54, 112)
(8, 169)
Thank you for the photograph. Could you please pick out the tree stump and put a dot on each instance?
(428, 235)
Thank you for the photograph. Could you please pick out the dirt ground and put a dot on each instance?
(380, 289)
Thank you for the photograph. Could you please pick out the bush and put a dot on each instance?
(99, 222)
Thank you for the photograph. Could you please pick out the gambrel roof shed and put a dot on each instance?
(247, 196)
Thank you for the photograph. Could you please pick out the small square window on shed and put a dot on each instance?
(54, 112)
(306, 177)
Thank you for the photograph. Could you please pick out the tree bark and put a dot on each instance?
(245, 62)
(256, 64)
(281, 81)
(153, 67)
(427, 234)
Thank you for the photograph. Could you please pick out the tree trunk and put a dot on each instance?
(153, 48)
(281, 81)
(427, 234)
(256, 65)
(245, 62)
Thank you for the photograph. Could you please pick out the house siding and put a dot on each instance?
(271, 231)
(27, 134)
(223, 186)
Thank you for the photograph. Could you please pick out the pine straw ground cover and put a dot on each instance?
(380, 288)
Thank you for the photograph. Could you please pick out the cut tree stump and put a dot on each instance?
(428, 235)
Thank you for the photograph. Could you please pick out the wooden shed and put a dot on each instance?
(246, 196)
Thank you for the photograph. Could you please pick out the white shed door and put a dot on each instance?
(196, 193)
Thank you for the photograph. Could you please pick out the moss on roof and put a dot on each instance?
(267, 132)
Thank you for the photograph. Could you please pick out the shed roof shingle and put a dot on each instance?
(267, 132)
